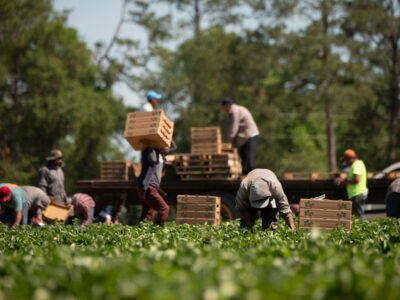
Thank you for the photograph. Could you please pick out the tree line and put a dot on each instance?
(318, 76)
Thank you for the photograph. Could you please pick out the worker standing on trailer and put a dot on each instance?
(149, 182)
(356, 182)
(152, 100)
(14, 205)
(261, 191)
(37, 202)
(51, 178)
(243, 132)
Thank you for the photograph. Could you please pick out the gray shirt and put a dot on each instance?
(272, 189)
(394, 187)
(36, 197)
(242, 125)
(51, 181)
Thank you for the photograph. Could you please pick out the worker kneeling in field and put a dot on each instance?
(261, 190)
(149, 182)
(14, 205)
(37, 202)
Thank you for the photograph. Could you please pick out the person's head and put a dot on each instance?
(5, 194)
(153, 97)
(259, 193)
(227, 104)
(55, 158)
(349, 157)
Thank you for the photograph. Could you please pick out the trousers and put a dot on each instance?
(151, 202)
(248, 154)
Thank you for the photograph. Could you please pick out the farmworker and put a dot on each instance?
(261, 191)
(243, 132)
(37, 202)
(83, 208)
(392, 199)
(110, 214)
(356, 182)
(152, 99)
(14, 205)
(149, 182)
(51, 178)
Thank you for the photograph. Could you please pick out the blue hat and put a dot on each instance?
(153, 94)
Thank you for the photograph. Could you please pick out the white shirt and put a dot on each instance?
(147, 107)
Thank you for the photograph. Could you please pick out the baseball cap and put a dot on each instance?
(259, 195)
(55, 154)
(349, 153)
(4, 192)
(153, 94)
(227, 101)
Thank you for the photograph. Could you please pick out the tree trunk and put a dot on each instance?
(394, 92)
(330, 129)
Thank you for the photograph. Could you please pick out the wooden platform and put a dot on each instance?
(324, 214)
(198, 209)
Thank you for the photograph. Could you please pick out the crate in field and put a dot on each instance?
(55, 211)
(152, 126)
(324, 214)
(118, 170)
(208, 166)
(198, 209)
(205, 140)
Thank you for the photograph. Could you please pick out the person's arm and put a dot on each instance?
(18, 218)
(42, 182)
(339, 181)
(244, 214)
(234, 124)
(282, 203)
(86, 216)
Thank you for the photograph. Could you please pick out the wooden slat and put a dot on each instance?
(325, 204)
(323, 223)
(325, 213)
(198, 199)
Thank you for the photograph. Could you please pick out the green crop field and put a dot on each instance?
(200, 262)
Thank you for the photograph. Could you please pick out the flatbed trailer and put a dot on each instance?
(107, 191)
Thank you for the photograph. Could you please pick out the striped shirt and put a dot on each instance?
(82, 207)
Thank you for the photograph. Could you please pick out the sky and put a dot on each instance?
(96, 20)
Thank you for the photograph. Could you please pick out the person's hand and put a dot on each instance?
(338, 181)
(162, 150)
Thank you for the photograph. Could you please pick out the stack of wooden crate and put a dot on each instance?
(205, 140)
(324, 214)
(119, 170)
(195, 209)
(224, 166)
(152, 127)
(210, 159)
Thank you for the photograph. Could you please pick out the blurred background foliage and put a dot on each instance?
(318, 76)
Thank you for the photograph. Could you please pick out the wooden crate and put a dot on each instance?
(55, 211)
(152, 126)
(324, 214)
(208, 166)
(117, 170)
(205, 140)
(198, 209)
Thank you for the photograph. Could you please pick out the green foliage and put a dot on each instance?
(51, 96)
(200, 262)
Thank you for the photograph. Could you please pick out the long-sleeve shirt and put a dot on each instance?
(271, 188)
(51, 181)
(36, 197)
(242, 125)
(18, 196)
(82, 207)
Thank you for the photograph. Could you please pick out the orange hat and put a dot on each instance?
(349, 153)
